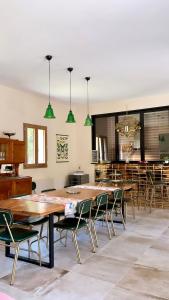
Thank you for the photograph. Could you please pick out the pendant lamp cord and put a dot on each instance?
(49, 81)
(70, 91)
(70, 69)
(87, 79)
(87, 98)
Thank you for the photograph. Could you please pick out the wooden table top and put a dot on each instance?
(35, 208)
(82, 195)
(31, 208)
(124, 186)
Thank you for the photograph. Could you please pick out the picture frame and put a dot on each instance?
(62, 148)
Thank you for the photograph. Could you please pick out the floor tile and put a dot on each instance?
(75, 286)
(34, 279)
(128, 247)
(147, 280)
(104, 268)
(16, 293)
(123, 294)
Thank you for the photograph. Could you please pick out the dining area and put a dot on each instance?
(68, 209)
(59, 258)
(84, 150)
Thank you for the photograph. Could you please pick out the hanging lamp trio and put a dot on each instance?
(49, 114)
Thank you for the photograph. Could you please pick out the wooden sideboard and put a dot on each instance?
(14, 186)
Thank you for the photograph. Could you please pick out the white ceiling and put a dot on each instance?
(122, 44)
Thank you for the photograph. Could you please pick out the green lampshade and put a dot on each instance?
(88, 121)
(49, 114)
(70, 117)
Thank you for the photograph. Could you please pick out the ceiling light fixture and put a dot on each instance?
(70, 116)
(88, 120)
(49, 114)
(128, 126)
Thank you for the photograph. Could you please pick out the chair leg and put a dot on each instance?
(39, 250)
(91, 239)
(41, 231)
(108, 228)
(41, 237)
(112, 223)
(76, 247)
(29, 248)
(93, 228)
(14, 265)
(122, 219)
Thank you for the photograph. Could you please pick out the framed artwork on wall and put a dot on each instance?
(62, 148)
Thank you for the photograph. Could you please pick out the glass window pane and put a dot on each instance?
(156, 130)
(30, 145)
(129, 147)
(41, 146)
(105, 138)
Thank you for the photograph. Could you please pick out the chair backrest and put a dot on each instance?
(118, 196)
(6, 217)
(48, 190)
(102, 199)
(84, 207)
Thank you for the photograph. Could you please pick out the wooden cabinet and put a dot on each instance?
(14, 186)
(11, 151)
(18, 152)
(5, 151)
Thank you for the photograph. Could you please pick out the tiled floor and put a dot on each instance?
(133, 265)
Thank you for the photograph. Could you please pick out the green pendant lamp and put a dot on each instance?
(49, 114)
(88, 120)
(70, 116)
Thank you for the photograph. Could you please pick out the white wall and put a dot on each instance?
(19, 107)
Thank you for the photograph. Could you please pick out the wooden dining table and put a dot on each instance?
(47, 204)
(32, 207)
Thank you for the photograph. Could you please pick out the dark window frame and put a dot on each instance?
(141, 112)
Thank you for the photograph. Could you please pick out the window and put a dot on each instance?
(129, 148)
(156, 129)
(151, 143)
(105, 138)
(35, 137)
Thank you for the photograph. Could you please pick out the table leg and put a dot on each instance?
(51, 241)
